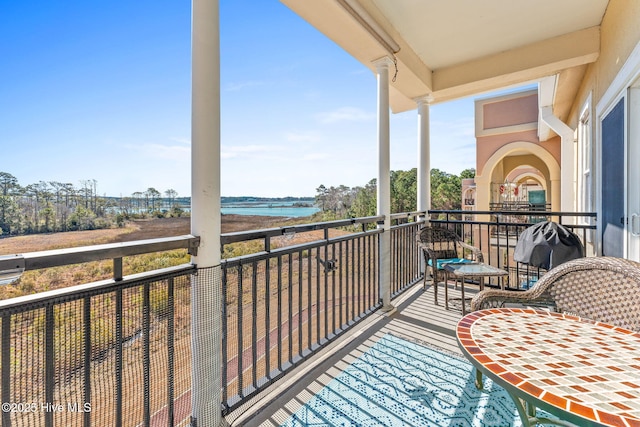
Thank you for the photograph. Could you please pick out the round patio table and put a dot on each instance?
(584, 372)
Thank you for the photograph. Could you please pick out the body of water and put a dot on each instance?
(288, 209)
(276, 208)
(290, 212)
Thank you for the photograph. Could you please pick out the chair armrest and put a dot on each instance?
(494, 298)
(477, 254)
(428, 253)
(421, 246)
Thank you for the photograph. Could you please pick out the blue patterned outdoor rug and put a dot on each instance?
(401, 383)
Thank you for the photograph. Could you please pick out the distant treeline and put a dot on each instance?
(345, 202)
(46, 207)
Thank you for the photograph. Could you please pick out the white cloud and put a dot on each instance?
(237, 86)
(170, 152)
(181, 140)
(229, 152)
(360, 71)
(256, 148)
(315, 156)
(350, 114)
(302, 136)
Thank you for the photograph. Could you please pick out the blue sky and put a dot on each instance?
(101, 90)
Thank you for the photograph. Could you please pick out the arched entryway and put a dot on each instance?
(514, 167)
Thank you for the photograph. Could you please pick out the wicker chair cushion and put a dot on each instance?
(440, 263)
(528, 284)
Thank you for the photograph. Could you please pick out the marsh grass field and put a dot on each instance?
(133, 230)
(59, 277)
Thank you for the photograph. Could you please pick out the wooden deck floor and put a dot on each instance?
(416, 318)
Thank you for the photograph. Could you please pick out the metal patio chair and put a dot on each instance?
(441, 245)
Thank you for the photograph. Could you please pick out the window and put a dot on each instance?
(585, 166)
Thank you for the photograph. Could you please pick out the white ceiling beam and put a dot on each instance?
(534, 61)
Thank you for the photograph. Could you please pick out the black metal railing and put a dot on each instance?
(283, 304)
(519, 206)
(114, 352)
(405, 266)
(496, 234)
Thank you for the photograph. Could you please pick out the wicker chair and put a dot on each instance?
(440, 245)
(603, 289)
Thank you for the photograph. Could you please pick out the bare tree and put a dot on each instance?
(152, 196)
(171, 195)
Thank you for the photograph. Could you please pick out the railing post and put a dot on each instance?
(49, 364)
(88, 345)
(119, 360)
(117, 269)
(146, 352)
(6, 366)
(171, 312)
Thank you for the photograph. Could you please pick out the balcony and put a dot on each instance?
(119, 351)
(417, 319)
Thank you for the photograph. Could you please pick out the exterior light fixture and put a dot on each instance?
(11, 268)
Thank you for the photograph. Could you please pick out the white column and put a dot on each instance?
(424, 155)
(384, 180)
(206, 292)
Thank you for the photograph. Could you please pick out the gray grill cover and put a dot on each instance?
(547, 245)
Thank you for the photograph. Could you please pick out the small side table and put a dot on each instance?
(470, 269)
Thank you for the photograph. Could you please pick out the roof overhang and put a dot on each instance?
(450, 50)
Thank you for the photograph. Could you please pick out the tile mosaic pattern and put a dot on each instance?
(588, 368)
(401, 383)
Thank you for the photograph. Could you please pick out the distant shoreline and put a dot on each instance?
(250, 205)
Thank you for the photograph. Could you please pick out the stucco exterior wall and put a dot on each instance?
(488, 145)
(507, 139)
(619, 35)
(511, 112)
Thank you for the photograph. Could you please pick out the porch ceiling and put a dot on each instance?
(455, 49)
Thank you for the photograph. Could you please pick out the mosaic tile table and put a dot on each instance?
(584, 372)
